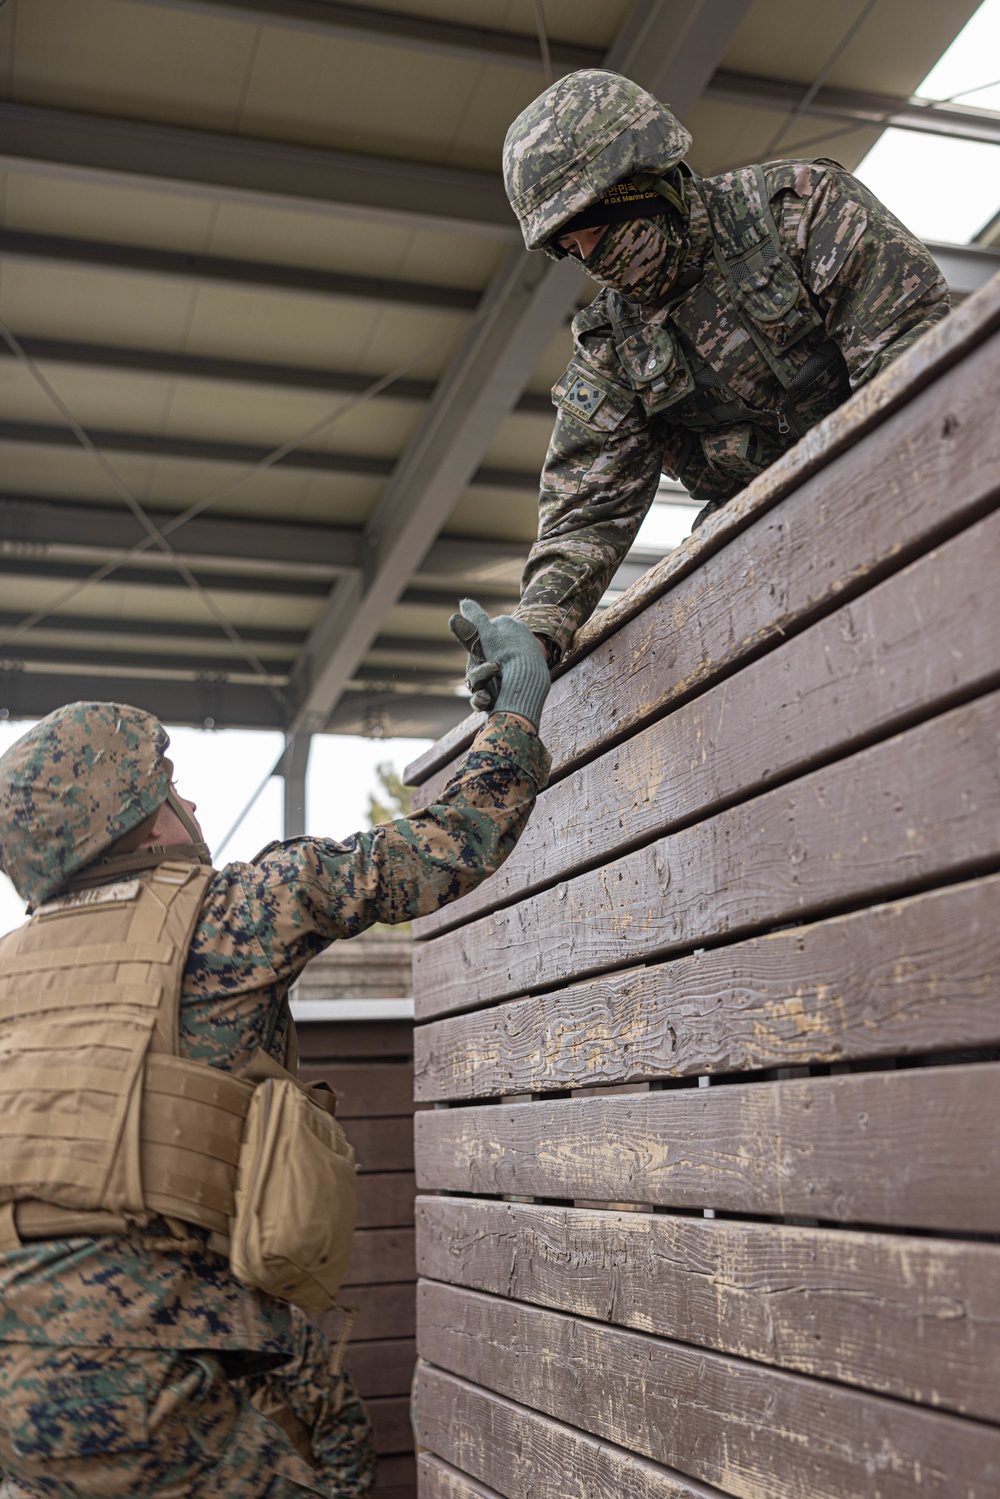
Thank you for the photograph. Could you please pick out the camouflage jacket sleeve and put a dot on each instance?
(599, 479)
(303, 894)
(875, 283)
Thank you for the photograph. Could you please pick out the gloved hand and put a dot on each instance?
(507, 669)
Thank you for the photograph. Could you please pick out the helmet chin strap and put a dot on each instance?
(124, 857)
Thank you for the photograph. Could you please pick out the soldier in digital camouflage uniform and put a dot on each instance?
(135, 1364)
(736, 312)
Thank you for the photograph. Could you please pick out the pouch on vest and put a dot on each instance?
(295, 1192)
(654, 362)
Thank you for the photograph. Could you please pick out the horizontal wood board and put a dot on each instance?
(916, 1318)
(943, 346)
(754, 1432)
(917, 809)
(924, 474)
(917, 975)
(512, 1448)
(379, 1254)
(382, 1144)
(385, 1199)
(438, 1480)
(384, 1311)
(915, 1148)
(365, 1089)
(914, 644)
(339, 1041)
(390, 1416)
(381, 1368)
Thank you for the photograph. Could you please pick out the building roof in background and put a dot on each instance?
(259, 251)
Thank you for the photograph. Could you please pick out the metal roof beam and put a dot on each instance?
(37, 527)
(670, 45)
(208, 704)
(396, 29)
(257, 275)
(218, 704)
(160, 629)
(520, 49)
(357, 465)
(262, 173)
(235, 371)
(857, 107)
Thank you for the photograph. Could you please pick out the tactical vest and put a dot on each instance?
(105, 1126)
(751, 274)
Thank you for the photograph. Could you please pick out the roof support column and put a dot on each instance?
(293, 767)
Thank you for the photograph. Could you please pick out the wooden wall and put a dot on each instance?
(710, 1199)
(369, 1064)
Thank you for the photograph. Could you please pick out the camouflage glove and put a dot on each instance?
(507, 670)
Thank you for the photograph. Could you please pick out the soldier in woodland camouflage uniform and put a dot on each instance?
(736, 312)
(135, 1363)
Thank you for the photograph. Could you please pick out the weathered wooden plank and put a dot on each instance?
(385, 1199)
(901, 652)
(939, 460)
(384, 1311)
(382, 1144)
(754, 1432)
(390, 1416)
(918, 1148)
(382, 1368)
(439, 1481)
(511, 1448)
(398, 1470)
(911, 1317)
(380, 1254)
(935, 353)
(348, 1040)
(916, 975)
(365, 1089)
(916, 809)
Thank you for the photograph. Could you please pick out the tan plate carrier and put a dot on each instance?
(102, 1124)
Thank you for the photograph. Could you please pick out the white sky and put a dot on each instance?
(945, 189)
(942, 189)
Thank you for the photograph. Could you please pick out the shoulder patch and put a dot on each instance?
(583, 395)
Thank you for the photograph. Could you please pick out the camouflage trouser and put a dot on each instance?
(114, 1422)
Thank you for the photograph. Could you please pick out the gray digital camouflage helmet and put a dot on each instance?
(585, 133)
(72, 786)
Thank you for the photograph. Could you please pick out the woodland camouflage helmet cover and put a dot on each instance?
(584, 134)
(79, 780)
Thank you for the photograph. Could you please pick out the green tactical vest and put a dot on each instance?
(678, 359)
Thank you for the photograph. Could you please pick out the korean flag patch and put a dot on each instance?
(583, 396)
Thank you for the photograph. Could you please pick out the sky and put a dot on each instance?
(946, 189)
(942, 189)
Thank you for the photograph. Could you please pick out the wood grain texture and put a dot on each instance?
(519, 1453)
(384, 1311)
(911, 1317)
(382, 1144)
(438, 1480)
(923, 474)
(938, 351)
(379, 1254)
(349, 1040)
(755, 1433)
(914, 810)
(381, 1368)
(915, 975)
(917, 1149)
(901, 652)
(365, 1089)
(385, 1199)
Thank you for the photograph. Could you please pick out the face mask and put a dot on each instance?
(639, 258)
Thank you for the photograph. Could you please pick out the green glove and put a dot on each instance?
(507, 670)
